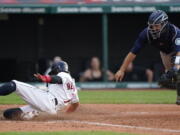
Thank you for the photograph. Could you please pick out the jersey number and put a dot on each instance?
(70, 86)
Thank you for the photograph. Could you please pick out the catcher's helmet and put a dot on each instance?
(61, 66)
(157, 18)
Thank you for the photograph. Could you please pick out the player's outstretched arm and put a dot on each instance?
(72, 107)
(120, 73)
(48, 78)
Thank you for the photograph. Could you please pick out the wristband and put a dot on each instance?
(45, 78)
(48, 78)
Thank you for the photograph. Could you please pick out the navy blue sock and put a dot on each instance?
(7, 88)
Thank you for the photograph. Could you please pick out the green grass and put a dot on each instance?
(128, 97)
(113, 97)
(11, 99)
(65, 133)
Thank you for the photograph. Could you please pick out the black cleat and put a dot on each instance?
(178, 102)
(13, 114)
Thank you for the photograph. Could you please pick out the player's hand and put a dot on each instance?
(119, 75)
(39, 77)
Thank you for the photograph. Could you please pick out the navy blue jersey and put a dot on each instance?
(167, 43)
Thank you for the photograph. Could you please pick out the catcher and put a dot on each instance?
(165, 37)
(61, 92)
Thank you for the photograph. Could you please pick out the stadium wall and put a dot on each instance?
(28, 39)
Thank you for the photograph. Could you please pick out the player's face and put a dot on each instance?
(155, 27)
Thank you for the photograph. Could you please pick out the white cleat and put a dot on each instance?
(29, 115)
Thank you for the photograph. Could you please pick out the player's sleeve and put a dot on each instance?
(75, 98)
(140, 42)
(56, 79)
(62, 76)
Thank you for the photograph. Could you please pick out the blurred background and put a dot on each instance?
(35, 33)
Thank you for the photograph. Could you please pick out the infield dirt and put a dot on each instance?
(149, 119)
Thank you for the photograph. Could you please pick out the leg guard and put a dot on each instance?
(13, 114)
(178, 88)
(7, 88)
(167, 80)
(178, 94)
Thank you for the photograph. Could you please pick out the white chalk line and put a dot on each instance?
(148, 113)
(102, 124)
(116, 125)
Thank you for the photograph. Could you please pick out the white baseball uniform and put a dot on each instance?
(55, 98)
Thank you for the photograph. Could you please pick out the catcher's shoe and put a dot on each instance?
(178, 100)
(178, 87)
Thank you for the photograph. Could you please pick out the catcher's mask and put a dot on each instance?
(157, 23)
(61, 66)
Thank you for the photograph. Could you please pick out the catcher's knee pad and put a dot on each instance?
(13, 114)
(7, 88)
